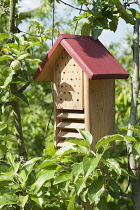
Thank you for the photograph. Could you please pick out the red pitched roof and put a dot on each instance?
(91, 55)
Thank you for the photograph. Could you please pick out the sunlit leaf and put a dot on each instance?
(6, 57)
(23, 56)
(95, 191)
(48, 162)
(62, 177)
(114, 165)
(27, 169)
(77, 170)
(47, 175)
(7, 138)
(71, 202)
(80, 185)
(6, 177)
(110, 138)
(8, 198)
(4, 36)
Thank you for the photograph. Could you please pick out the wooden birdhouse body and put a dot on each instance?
(83, 74)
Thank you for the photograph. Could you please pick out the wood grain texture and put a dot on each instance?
(102, 108)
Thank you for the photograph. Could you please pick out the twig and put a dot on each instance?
(73, 6)
(4, 9)
(4, 163)
(24, 87)
(28, 33)
(126, 195)
(131, 2)
(137, 120)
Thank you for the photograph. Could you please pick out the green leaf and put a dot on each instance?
(96, 32)
(23, 56)
(136, 149)
(8, 79)
(85, 31)
(80, 185)
(86, 163)
(12, 45)
(6, 177)
(86, 135)
(34, 44)
(48, 162)
(78, 142)
(114, 165)
(4, 36)
(19, 38)
(126, 14)
(71, 202)
(36, 61)
(102, 205)
(46, 175)
(113, 24)
(114, 188)
(27, 169)
(77, 170)
(11, 159)
(8, 198)
(7, 138)
(39, 201)
(21, 97)
(23, 200)
(50, 149)
(6, 57)
(81, 16)
(93, 164)
(3, 148)
(129, 138)
(110, 138)
(70, 149)
(62, 177)
(96, 190)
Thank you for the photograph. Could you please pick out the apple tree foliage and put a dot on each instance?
(71, 177)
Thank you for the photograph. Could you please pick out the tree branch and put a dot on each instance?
(73, 6)
(13, 89)
(24, 87)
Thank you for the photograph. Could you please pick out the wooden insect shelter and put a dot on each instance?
(83, 73)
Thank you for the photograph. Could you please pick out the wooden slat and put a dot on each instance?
(63, 144)
(64, 134)
(71, 125)
(71, 116)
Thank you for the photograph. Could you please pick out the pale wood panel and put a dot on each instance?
(56, 130)
(71, 116)
(86, 103)
(63, 144)
(65, 135)
(71, 125)
(68, 83)
(101, 106)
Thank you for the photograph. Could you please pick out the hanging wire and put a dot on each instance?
(53, 11)
(77, 21)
